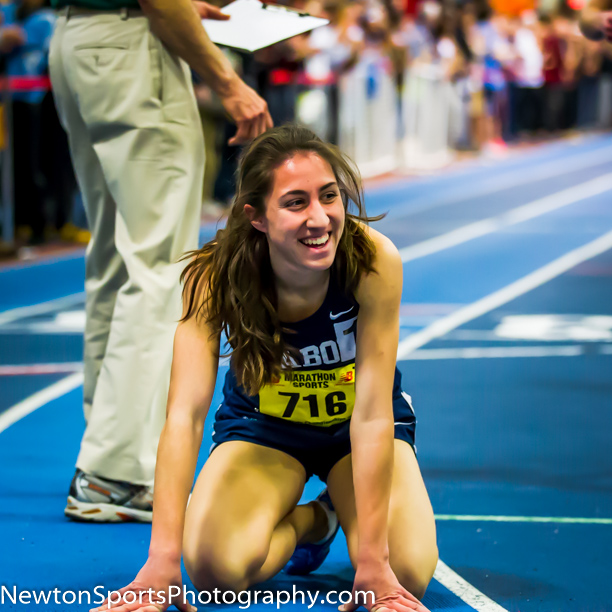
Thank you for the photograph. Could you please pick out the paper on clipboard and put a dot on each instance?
(255, 25)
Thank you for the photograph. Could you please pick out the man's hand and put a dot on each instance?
(244, 106)
(248, 110)
(178, 25)
(208, 11)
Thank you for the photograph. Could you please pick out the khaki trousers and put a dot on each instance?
(136, 143)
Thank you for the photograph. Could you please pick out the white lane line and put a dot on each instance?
(38, 399)
(497, 352)
(41, 368)
(524, 519)
(504, 295)
(496, 182)
(481, 335)
(27, 264)
(8, 316)
(464, 590)
(531, 210)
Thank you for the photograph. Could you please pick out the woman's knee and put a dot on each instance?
(223, 566)
(415, 571)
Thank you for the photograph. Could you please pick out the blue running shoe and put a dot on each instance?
(309, 557)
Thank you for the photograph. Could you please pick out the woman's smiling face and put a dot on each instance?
(304, 216)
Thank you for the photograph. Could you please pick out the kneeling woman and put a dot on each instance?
(308, 296)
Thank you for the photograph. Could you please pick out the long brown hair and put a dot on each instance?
(230, 281)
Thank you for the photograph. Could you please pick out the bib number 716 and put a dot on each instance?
(335, 403)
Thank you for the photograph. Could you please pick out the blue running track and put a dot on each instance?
(506, 348)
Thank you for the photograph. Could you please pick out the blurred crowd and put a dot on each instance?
(42, 184)
(512, 74)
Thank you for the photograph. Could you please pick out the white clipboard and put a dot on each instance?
(255, 25)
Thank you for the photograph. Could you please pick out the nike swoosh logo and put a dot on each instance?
(335, 316)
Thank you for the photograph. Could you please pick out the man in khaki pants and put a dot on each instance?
(121, 77)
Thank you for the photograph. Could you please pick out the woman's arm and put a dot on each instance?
(192, 384)
(379, 296)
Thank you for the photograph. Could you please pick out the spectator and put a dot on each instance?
(529, 75)
(327, 53)
(24, 40)
(554, 95)
(567, 28)
(588, 84)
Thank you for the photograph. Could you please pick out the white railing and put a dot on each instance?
(426, 109)
(368, 115)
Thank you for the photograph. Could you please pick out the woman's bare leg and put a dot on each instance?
(242, 524)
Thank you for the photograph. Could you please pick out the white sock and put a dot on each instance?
(332, 522)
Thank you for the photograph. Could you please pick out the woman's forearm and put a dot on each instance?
(177, 456)
(372, 457)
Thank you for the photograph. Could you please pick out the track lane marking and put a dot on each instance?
(40, 368)
(524, 519)
(493, 184)
(528, 211)
(22, 312)
(464, 590)
(497, 352)
(506, 294)
(39, 399)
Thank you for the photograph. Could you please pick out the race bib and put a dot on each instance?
(315, 397)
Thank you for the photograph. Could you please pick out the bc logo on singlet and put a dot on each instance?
(317, 397)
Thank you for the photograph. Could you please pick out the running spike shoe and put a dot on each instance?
(309, 557)
(100, 500)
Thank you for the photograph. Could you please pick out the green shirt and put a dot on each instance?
(102, 5)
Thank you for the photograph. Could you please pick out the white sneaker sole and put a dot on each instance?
(104, 513)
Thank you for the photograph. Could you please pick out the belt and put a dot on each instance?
(81, 11)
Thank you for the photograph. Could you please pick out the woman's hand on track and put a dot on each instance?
(150, 590)
(389, 594)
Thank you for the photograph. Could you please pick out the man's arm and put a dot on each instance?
(178, 25)
(596, 20)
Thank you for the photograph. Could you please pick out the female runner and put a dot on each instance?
(308, 297)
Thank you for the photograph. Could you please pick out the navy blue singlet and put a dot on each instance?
(307, 412)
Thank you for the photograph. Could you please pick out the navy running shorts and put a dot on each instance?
(318, 449)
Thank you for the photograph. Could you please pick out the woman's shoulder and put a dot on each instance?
(385, 251)
(386, 279)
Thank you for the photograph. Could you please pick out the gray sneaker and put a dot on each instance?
(100, 500)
